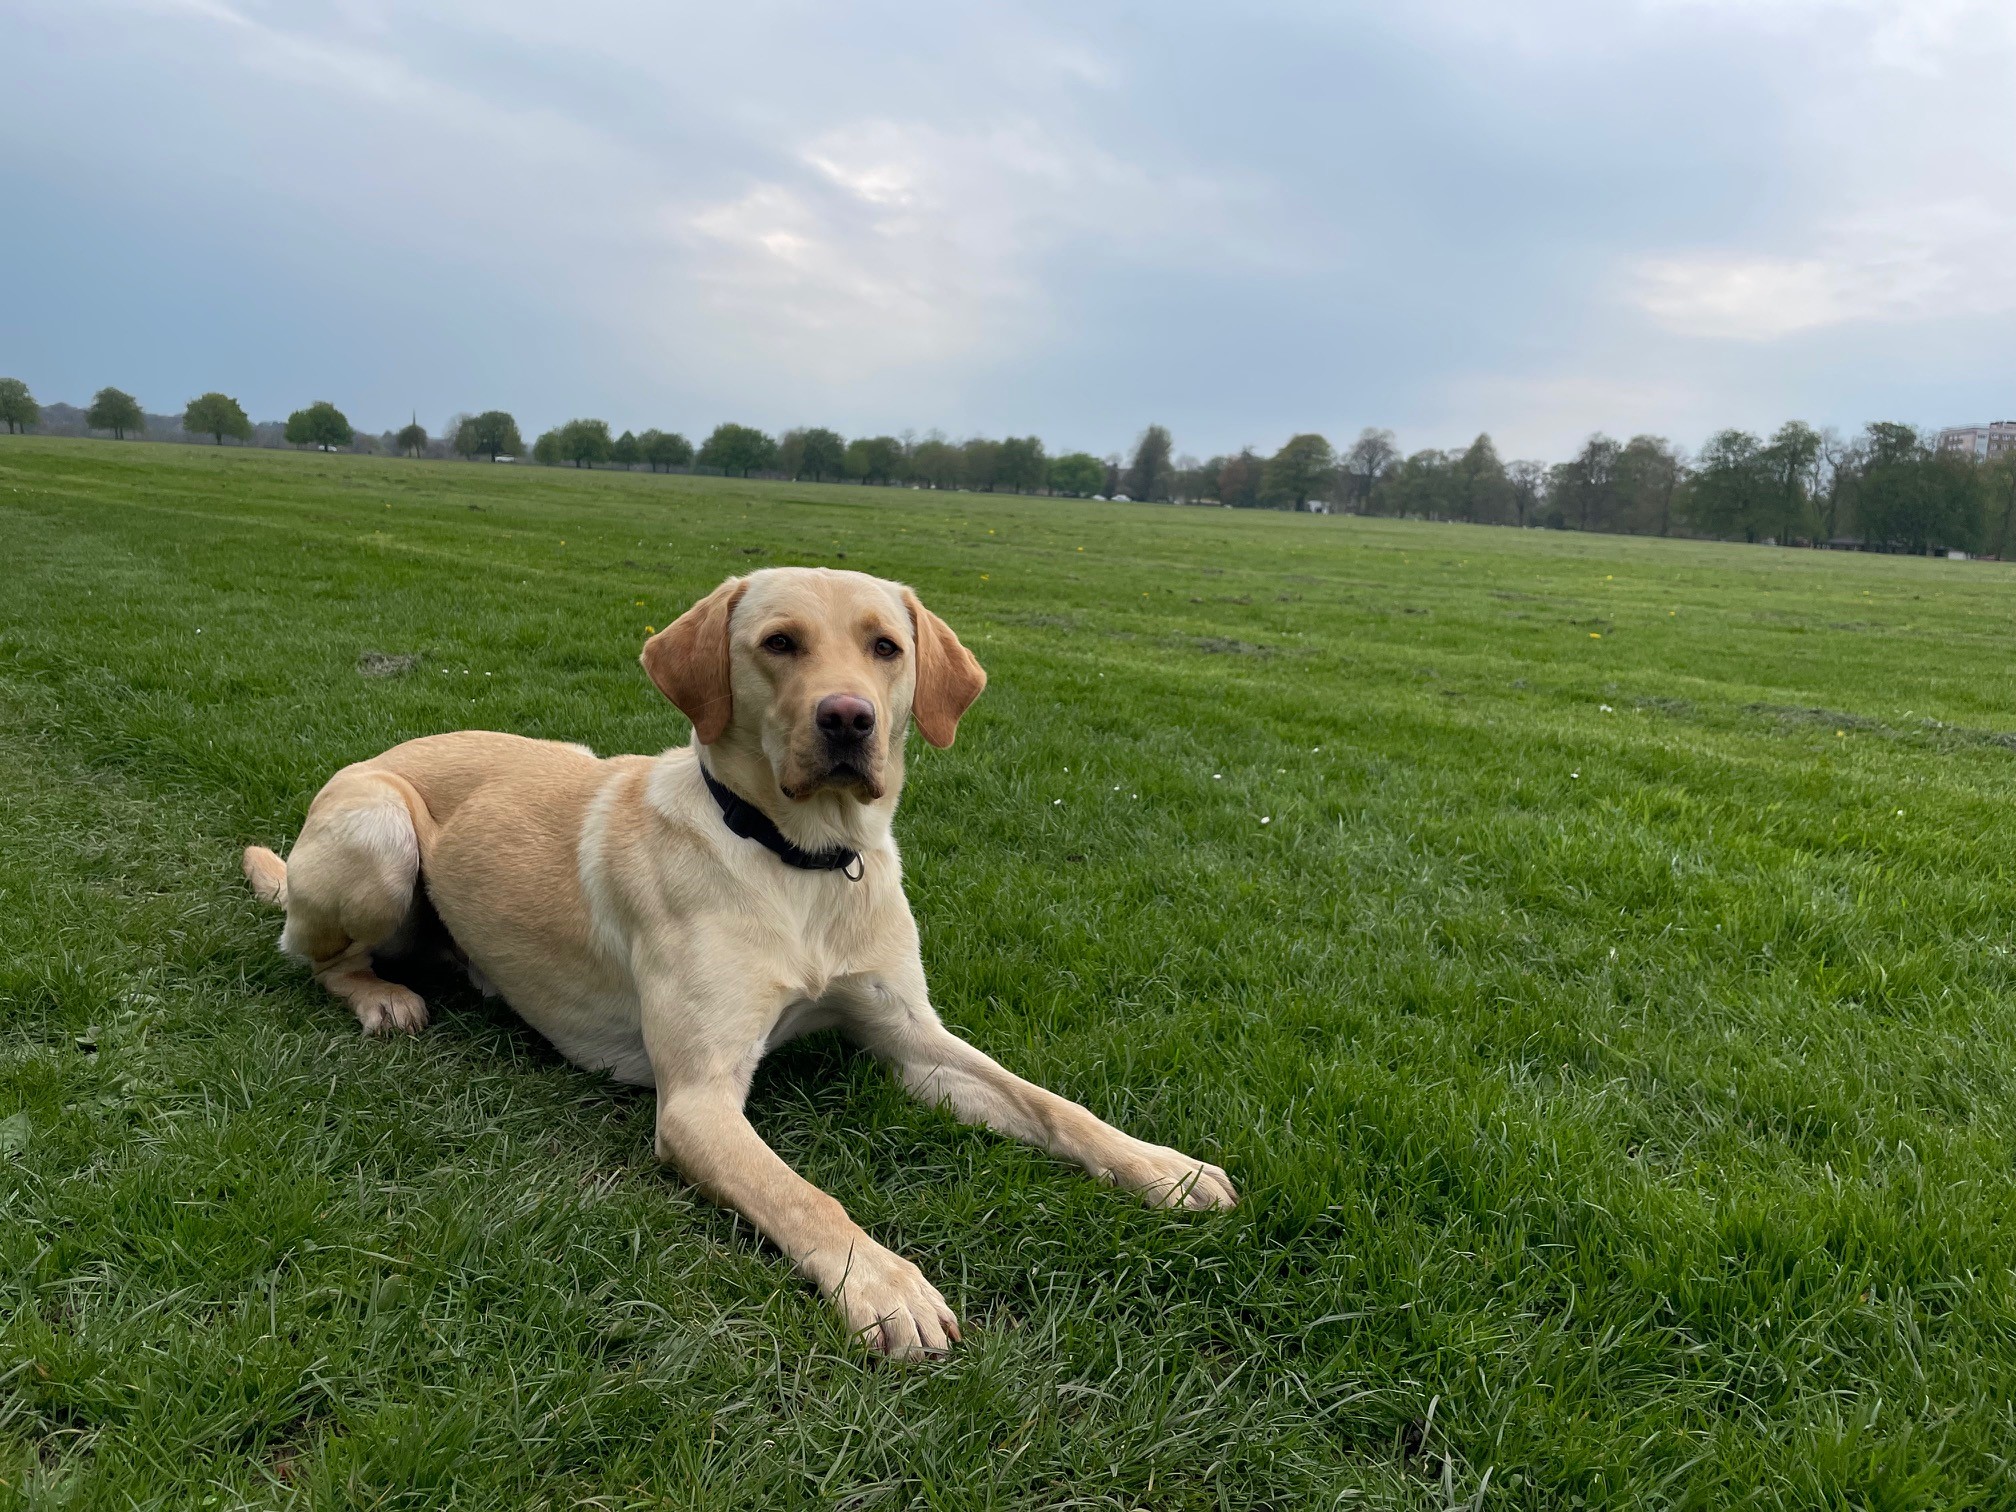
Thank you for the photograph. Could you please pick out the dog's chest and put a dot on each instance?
(831, 928)
(824, 953)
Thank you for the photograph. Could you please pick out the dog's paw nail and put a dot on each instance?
(894, 1311)
(404, 1013)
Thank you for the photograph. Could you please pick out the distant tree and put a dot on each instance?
(664, 449)
(321, 425)
(1079, 474)
(738, 449)
(1955, 482)
(1912, 498)
(1023, 464)
(1483, 494)
(1364, 463)
(872, 459)
(1113, 475)
(17, 406)
(1423, 485)
(1731, 490)
(1839, 470)
(1887, 443)
(625, 451)
(493, 434)
(1998, 496)
(1528, 484)
(465, 441)
(980, 463)
(1585, 489)
(1791, 459)
(412, 440)
(811, 452)
(791, 453)
(217, 416)
(822, 455)
(1301, 471)
(117, 411)
(585, 442)
(546, 450)
(1197, 482)
(1648, 481)
(1240, 479)
(935, 462)
(885, 458)
(1151, 473)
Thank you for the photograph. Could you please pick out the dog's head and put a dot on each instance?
(820, 671)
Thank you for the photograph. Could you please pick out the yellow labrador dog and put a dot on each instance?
(669, 919)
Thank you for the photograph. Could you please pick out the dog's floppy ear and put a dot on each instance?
(688, 660)
(948, 678)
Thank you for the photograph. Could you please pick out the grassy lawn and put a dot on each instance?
(1591, 956)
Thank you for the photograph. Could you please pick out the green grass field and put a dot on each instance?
(1591, 956)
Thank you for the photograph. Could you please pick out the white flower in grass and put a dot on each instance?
(1266, 819)
(1606, 708)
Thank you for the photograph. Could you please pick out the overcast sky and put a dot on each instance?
(1533, 217)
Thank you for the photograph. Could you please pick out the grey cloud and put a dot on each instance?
(1536, 218)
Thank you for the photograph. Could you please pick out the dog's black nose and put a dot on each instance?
(844, 714)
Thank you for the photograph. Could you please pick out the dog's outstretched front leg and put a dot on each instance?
(892, 1017)
(703, 1133)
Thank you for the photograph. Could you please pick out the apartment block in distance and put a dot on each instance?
(1980, 441)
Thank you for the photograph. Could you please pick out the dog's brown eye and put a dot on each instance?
(886, 648)
(781, 645)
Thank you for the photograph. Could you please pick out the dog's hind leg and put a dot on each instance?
(348, 887)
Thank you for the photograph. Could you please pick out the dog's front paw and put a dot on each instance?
(891, 1308)
(388, 1007)
(1169, 1178)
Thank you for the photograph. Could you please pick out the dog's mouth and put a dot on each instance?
(845, 775)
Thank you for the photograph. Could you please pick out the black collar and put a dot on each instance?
(745, 819)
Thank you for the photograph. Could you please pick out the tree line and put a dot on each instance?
(1888, 488)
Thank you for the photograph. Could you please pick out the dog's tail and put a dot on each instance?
(268, 875)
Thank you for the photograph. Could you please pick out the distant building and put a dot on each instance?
(1980, 441)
